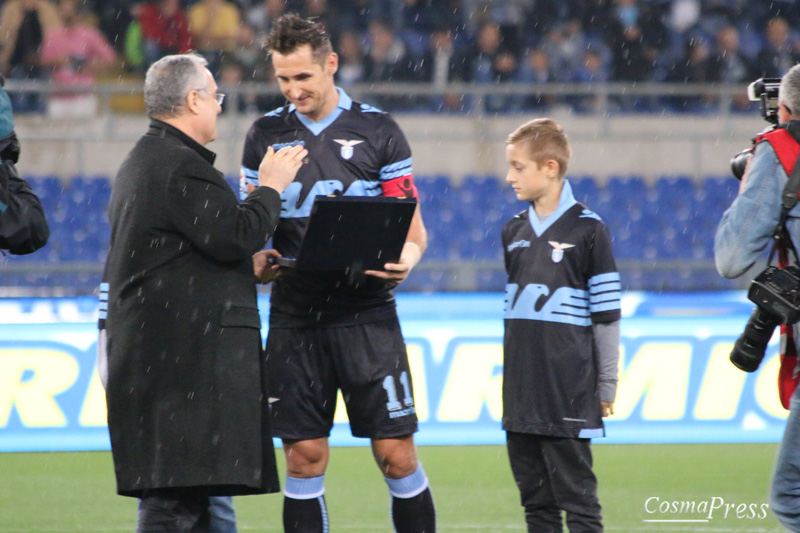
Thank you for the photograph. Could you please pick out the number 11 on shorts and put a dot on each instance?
(391, 391)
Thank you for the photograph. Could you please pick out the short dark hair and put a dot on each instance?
(290, 32)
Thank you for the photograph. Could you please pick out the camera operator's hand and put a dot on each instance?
(745, 174)
(278, 169)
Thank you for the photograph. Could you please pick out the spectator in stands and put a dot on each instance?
(476, 63)
(438, 67)
(23, 225)
(423, 17)
(328, 13)
(565, 45)
(250, 55)
(351, 59)
(489, 61)
(730, 65)
(165, 30)
(359, 15)
(23, 26)
(694, 66)
(113, 18)
(214, 25)
(777, 55)
(536, 70)
(386, 58)
(594, 70)
(263, 14)
(75, 53)
(633, 60)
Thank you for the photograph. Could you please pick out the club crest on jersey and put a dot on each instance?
(347, 147)
(558, 250)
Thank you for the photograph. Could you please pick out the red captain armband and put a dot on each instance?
(785, 146)
(402, 186)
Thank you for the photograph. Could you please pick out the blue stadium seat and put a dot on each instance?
(434, 189)
(233, 181)
(48, 188)
(490, 281)
(585, 189)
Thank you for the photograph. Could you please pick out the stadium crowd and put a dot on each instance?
(433, 41)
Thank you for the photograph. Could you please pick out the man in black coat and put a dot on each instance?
(23, 226)
(186, 410)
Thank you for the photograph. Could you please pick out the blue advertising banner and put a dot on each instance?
(676, 383)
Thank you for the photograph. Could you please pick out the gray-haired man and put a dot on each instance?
(186, 410)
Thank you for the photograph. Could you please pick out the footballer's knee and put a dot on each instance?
(306, 458)
(397, 458)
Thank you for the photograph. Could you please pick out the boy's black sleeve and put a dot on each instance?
(23, 225)
(604, 281)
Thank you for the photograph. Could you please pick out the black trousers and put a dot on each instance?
(555, 474)
(174, 511)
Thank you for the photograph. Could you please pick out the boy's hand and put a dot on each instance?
(608, 408)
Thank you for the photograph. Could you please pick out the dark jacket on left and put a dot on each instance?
(186, 406)
(23, 226)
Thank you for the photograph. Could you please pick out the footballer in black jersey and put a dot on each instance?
(357, 150)
(336, 331)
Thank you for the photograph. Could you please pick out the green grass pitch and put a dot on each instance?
(472, 487)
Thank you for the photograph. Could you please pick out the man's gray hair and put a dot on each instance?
(169, 80)
(790, 90)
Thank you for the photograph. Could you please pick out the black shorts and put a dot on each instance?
(306, 366)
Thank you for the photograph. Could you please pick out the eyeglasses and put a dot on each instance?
(218, 97)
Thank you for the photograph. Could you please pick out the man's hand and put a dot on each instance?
(744, 175)
(265, 271)
(278, 169)
(396, 273)
(608, 408)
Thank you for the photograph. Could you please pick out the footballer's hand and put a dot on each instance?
(278, 169)
(608, 408)
(394, 273)
(264, 270)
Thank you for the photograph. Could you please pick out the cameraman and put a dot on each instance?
(745, 230)
(23, 227)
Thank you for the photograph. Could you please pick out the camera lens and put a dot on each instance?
(739, 163)
(748, 351)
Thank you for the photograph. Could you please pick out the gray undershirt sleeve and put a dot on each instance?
(606, 342)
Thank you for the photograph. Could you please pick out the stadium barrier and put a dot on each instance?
(676, 384)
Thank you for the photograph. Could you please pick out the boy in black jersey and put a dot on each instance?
(561, 342)
(332, 331)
